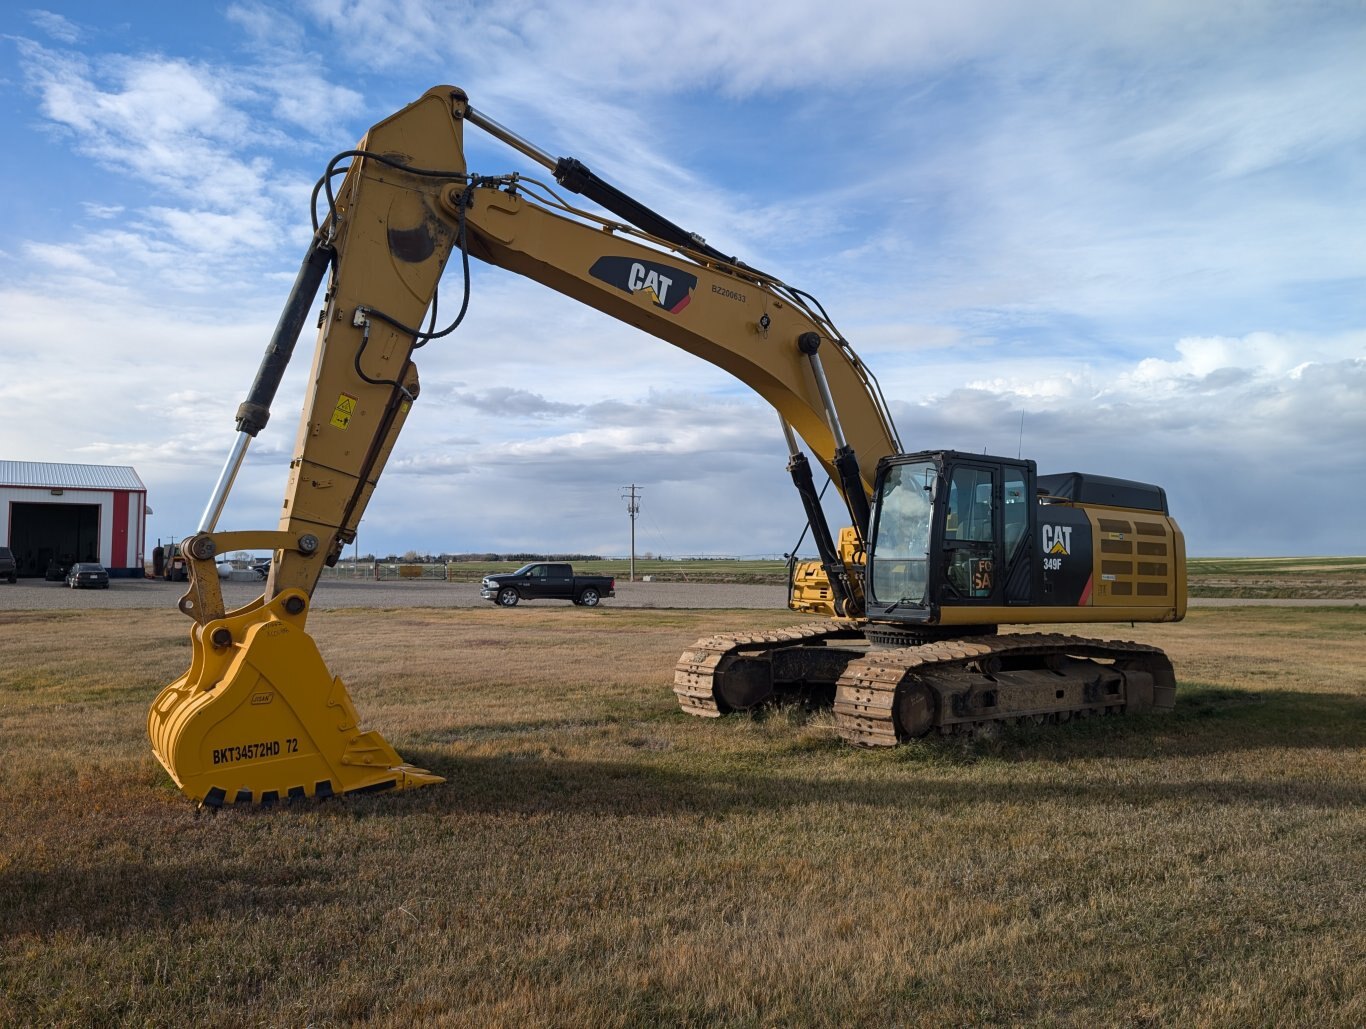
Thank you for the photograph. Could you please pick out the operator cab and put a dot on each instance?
(950, 530)
(968, 541)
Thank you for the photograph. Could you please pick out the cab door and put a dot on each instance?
(535, 582)
(986, 532)
(971, 536)
(559, 582)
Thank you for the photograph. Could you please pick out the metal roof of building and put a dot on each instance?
(69, 476)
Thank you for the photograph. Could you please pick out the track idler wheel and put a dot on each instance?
(744, 683)
(258, 718)
(913, 709)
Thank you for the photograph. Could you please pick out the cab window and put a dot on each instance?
(970, 505)
(1016, 511)
(899, 556)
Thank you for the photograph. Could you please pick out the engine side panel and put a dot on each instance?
(1139, 560)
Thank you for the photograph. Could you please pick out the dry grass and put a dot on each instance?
(597, 858)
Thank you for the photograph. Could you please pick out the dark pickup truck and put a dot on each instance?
(547, 581)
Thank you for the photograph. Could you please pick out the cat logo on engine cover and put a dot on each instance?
(1057, 539)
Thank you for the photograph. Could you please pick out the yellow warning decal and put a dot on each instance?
(346, 407)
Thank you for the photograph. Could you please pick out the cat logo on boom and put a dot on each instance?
(667, 287)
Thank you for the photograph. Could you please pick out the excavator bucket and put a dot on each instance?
(258, 717)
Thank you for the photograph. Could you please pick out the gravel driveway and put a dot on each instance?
(37, 595)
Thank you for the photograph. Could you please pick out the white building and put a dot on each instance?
(73, 512)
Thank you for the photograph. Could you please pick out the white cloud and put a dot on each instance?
(184, 134)
(102, 211)
(1272, 355)
(208, 230)
(1222, 374)
(163, 122)
(1290, 113)
(159, 103)
(114, 263)
(55, 25)
(62, 258)
(289, 71)
(805, 45)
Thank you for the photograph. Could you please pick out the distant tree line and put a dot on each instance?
(413, 557)
(529, 557)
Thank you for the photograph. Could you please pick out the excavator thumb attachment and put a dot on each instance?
(258, 718)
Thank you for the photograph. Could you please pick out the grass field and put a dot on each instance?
(597, 858)
(1278, 577)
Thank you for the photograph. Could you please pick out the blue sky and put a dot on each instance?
(1131, 242)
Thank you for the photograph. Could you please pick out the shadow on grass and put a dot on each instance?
(1207, 721)
(114, 898)
(575, 788)
(1211, 722)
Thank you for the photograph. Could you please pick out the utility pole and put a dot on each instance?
(631, 494)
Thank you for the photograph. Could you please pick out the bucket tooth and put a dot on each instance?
(253, 720)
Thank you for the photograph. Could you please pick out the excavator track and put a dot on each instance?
(963, 685)
(739, 670)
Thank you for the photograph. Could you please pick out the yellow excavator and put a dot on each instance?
(943, 547)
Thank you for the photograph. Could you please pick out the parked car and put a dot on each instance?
(545, 581)
(85, 575)
(9, 568)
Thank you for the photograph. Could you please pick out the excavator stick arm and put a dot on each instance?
(259, 717)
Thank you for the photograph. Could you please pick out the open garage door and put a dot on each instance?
(42, 535)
